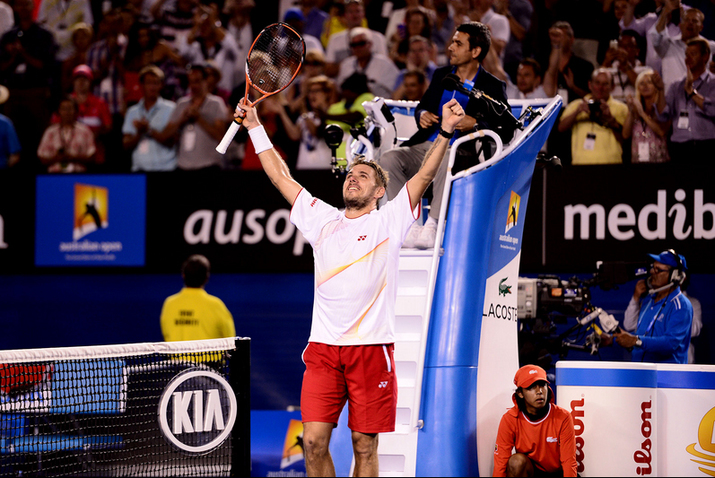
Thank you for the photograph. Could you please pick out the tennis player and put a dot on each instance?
(349, 356)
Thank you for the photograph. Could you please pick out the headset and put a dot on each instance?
(677, 274)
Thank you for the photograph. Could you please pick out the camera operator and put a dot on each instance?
(596, 123)
(659, 313)
(541, 432)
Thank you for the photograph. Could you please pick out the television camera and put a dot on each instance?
(547, 305)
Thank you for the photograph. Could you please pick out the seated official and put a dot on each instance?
(541, 432)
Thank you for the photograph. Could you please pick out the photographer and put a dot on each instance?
(596, 123)
(659, 313)
(541, 432)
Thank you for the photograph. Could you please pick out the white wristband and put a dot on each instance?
(260, 139)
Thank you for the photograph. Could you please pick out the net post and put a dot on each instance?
(239, 378)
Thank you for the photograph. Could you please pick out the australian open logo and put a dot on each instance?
(513, 214)
(91, 209)
(197, 411)
(704, 450)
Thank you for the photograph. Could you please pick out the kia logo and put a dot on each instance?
(197, 411)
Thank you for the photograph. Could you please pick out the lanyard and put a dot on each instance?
(655, 317)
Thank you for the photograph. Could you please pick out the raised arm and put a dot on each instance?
(452, 114)
(274, 166)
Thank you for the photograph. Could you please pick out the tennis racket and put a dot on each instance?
(272, 64)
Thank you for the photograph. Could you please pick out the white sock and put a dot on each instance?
(431, 220)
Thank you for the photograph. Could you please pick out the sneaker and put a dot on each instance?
(412, 236)
(427, 237)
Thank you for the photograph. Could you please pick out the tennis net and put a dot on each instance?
(151, 409)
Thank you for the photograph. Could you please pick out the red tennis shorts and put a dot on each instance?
(362, 375)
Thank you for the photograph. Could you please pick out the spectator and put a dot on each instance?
(239, 26)
(522, 429)
(528, 81)
(106, 59)
(689, 105)
(200, 120)
(483, 12)
(596, 123)
(335, 22)
(175, 19)
(208, 40)
(92, 111)
(671, 50)
(397, 18)
(443, 29)
(380, 71)
(519, 13)
(294, 18)
(315, 18)
(213, 82)
(338, 47)
(297, 92)
(348, 112)
(82, 39)
(624, 65)
(150, 115)
(59, 16)
(417, 23)
(419, 58)
(194, 314)
(659, 314)
(649, 143)
(67, 146)
(643, 24)
(567, 75)
(27, 60)
(413, 87)
(697, 326)
(313, 152)
(146, 47)
(9, 144)
(469, 47)
(7, 17)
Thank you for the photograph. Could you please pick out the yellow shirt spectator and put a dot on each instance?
(592, 143)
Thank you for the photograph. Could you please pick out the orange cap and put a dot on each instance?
(528, 374)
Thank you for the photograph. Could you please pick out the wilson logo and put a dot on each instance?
(643, 456)
(577, 415)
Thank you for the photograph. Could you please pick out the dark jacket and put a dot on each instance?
(476, 108)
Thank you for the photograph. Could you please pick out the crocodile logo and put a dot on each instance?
(503, 288)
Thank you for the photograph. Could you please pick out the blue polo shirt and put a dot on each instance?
(149, 154)
(664, 328)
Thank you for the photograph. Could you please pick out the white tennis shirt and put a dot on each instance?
(356, 268)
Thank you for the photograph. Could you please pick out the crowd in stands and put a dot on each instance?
(151, 85)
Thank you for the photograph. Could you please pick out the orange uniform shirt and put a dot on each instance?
(549, 443)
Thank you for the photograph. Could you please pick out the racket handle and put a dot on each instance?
(228, 137)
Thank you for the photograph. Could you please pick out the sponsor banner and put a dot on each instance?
(613, 419)
(618, 213)
(686, 420)
(277, 443)
(236, 219)
(17, 203)
(92, 220)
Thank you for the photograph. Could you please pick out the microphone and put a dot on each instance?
(451, 82)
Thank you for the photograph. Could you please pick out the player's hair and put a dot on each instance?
(195, 270)
(479, 36)
(382, 176)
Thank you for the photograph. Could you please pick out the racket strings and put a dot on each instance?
(274, 59)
